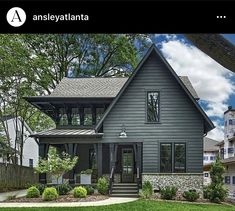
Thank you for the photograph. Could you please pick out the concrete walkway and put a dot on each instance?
(18, 193)
(109, 201)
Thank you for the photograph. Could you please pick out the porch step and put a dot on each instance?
(125, 190)
(124, 195)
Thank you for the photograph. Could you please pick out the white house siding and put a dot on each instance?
(30, 146)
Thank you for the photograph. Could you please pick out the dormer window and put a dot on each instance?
(152, 106)
(63, 117)
(76, 120)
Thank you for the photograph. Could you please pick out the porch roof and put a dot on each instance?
(67, 133)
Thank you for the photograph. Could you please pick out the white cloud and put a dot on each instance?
(211, 81)
(217, 133)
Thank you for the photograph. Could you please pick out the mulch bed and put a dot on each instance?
(65, 198)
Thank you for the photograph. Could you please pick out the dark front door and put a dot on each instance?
(127, 165)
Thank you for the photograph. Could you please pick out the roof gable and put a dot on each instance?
(208, 125)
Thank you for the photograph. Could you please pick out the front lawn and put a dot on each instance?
(138, 205)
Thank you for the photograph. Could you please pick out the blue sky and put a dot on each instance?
(214, 84)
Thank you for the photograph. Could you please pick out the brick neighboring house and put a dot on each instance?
(149, 126)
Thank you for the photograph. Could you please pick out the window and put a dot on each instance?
(212, 157)
(76, 116)
(227, 179)
(92, 159)
(233, 180)
(166, 158)
(152, 106)
(31, 163)
(205, 158)
(179, 158)
(87, 116)
(225, 123)
(63, 116)
(230, 122)
(206, 175)
(230, 150)
(99, 114)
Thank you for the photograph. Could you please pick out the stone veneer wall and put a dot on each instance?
(183, 181)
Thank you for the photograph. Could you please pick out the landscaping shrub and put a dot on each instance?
(79, 192)
(216, 192)
(63, 189)
(102, 185)
(168, 192)
(147, 190)
(90, 190)
(191, 195)
(49, 194)
(40, 187)
(32, 192)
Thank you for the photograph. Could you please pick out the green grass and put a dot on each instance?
(144, 205)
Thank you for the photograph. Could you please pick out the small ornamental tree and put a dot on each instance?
(216, 191)
(56, 164)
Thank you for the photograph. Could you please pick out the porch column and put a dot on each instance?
(43, 153)
(99, 156)
(113, 155)
(71, 149)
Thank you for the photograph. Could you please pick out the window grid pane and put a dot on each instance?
(153, 106)
(179, 158)
(166, 158)
(87, 116)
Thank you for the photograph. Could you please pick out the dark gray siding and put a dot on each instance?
(180, 121)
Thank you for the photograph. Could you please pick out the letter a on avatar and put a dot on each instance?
(16, 16)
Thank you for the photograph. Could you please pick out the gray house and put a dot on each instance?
(145, 127)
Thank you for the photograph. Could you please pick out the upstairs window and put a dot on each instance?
(63, 117)
(87, 116)
(230, 122)
(76, 116)
(227, 179)
(152, 106)
(99, 114)
(31, 163)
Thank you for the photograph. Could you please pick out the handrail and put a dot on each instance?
(111, 180)
(138, 176)
(138, 172)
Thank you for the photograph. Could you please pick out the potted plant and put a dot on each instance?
(85, 177)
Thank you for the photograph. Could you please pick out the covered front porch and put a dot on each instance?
(118, 162)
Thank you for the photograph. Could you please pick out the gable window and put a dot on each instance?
(172, 154)
(166, 158)
(63, 117)
(87, 116)
(153, 106)
(31, 163)
(76, 116)
(179, 158)
(99, 114)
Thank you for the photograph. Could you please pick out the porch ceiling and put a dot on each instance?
(68, 133)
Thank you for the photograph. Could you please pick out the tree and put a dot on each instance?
(216, 191)
(57, 165)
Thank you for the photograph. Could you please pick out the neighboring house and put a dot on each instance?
(145, 127)
(30, 149)
(211, 151)
(227, 148)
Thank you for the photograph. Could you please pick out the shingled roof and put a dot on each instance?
(210, 145)
(99, 87)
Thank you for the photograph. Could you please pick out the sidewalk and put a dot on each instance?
(109, 201)
(18, 193)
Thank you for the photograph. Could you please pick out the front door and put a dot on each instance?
(127, 165)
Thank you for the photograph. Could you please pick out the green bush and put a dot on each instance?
(147, 190)
(87, 171)
(168, 192)
(50, 194)
(32, 192)
(63, 189)
(102, 185)
(191, 195)
(216, 192)
(40, 187)
(90, 190)
(79, 192)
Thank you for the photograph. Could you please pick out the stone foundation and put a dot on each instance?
(183, 181)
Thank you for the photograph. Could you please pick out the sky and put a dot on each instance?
(214, 84)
